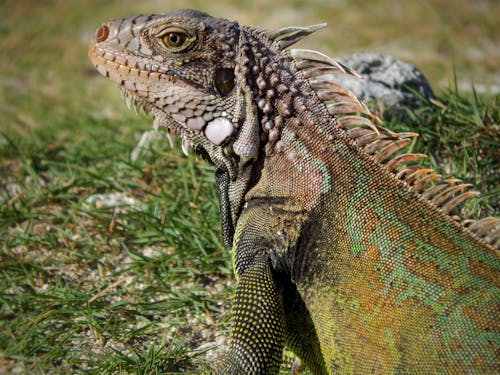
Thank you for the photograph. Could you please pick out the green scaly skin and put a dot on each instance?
(336, 255)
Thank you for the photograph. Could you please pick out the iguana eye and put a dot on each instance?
(176, 39)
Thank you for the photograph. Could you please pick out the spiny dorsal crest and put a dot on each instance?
(287, 36)
(382, 144)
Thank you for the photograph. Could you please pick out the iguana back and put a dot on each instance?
(342, 250)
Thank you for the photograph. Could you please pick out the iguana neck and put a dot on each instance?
(297, 130)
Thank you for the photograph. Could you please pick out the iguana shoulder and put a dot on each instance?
(344, 250)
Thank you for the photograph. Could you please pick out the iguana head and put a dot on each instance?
(178, 66)
(186, 69)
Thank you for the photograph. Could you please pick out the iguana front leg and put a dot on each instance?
(258, 330)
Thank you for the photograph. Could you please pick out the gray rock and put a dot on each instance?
(389, 84)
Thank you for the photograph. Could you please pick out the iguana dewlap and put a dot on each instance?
(344, 251)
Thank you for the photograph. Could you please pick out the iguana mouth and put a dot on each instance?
(190, 120)
(116, 66)
(135, 102)
(109, 66)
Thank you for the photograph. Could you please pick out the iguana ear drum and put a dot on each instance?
(224, 80)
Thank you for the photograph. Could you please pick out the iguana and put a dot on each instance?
(343, 249)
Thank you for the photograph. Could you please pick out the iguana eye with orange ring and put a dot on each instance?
(176, 39)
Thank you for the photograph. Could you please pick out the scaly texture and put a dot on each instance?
(343, 250)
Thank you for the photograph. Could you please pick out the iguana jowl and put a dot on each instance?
(342, 251)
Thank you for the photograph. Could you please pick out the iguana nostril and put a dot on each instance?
(102, 33)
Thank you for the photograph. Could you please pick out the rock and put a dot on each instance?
(389, 84)
(111, 200)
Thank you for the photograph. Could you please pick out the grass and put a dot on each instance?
(144, 286)
(460, 134)
(81, 281)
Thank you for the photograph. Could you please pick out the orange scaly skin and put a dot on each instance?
(341, 251)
